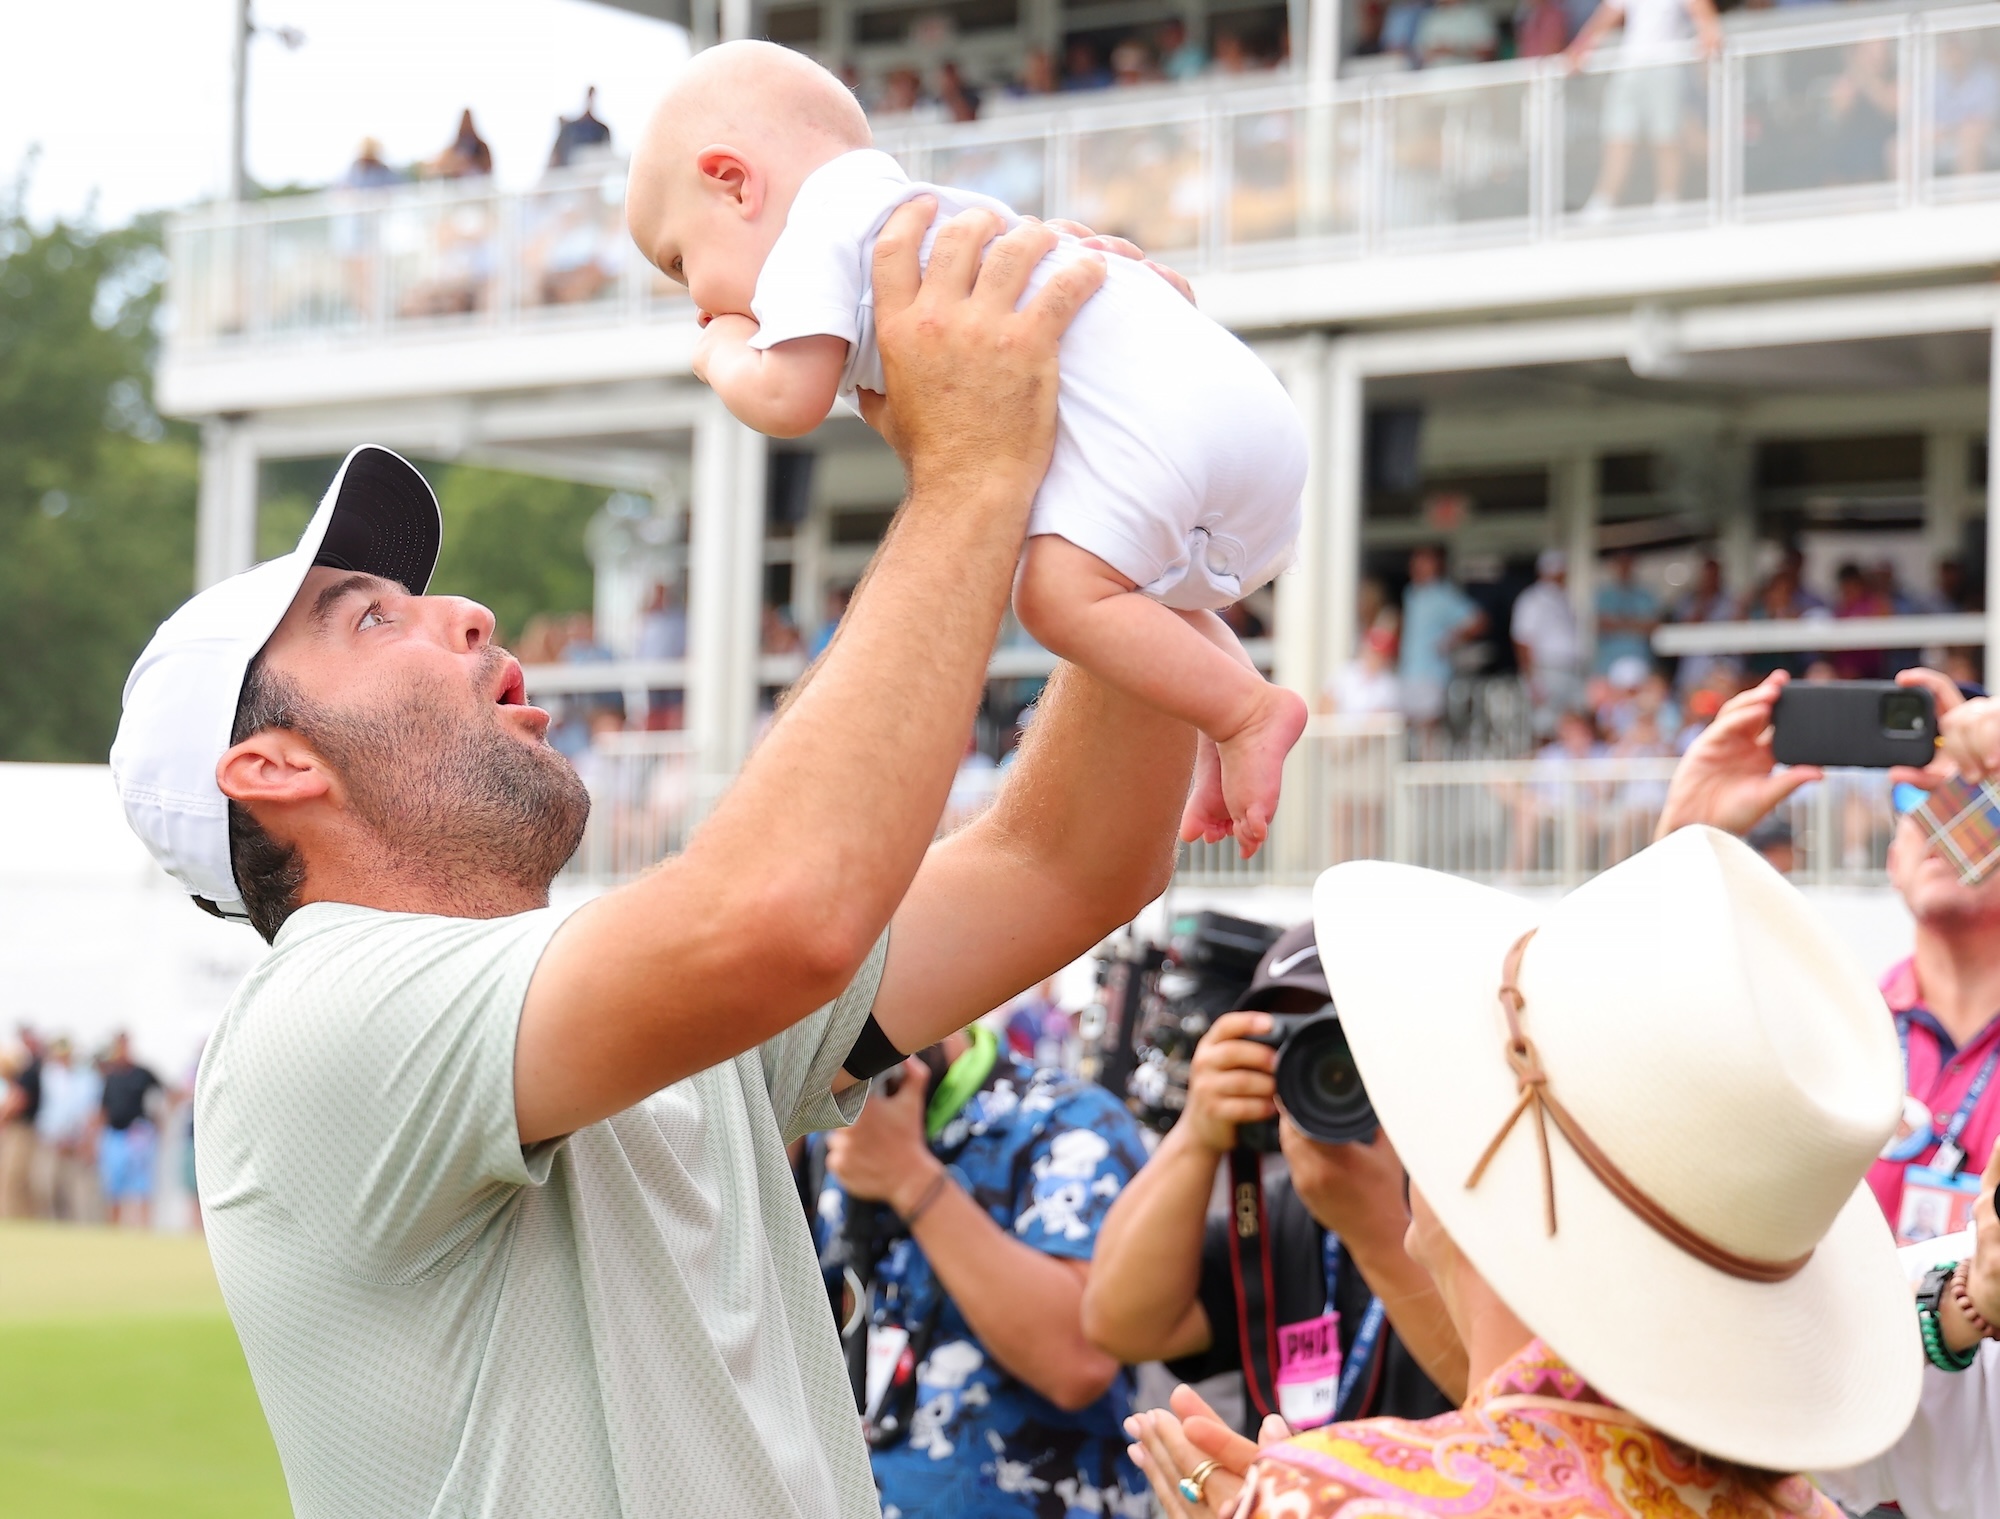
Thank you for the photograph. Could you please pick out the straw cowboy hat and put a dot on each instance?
(1712, 1073)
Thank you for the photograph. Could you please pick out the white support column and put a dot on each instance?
(226, 510)
(1345, 410)
(1947, 499)
(725, 531)
(1573, 483)
(1992, 515)
(736, 20)
(1300, 634)
(1323, 40)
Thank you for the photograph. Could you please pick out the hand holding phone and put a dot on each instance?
(1870, 724)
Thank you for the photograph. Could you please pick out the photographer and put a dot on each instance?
(983, 1397)
(1164, 1286)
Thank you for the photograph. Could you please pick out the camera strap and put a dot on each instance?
(1250, 1275)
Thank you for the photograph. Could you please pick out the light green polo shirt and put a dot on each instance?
(629, 1321)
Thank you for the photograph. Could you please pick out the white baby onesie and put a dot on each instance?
(1179, 458)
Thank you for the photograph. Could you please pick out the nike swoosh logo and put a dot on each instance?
(1284, 967)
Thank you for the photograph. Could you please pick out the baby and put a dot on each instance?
(1179, 460)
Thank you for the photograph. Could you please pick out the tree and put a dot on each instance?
(97, 495)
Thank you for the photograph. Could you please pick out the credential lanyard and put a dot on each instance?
(1950, 1154)
(1361, 1353)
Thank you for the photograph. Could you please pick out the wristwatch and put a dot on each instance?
(1937, 1282)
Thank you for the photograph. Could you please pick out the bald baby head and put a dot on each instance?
(724, 154)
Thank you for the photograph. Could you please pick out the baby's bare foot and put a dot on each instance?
(1252, 762)
(1206, 819)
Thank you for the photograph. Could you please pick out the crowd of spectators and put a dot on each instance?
(81, 1133)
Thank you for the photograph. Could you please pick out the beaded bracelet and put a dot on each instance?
(1961, 1294)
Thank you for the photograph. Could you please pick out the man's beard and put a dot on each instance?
(454, 796)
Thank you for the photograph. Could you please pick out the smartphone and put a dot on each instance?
(1869, 724)
(1962, 822)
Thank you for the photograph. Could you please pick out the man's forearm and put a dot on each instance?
(1145, 1278)
(1026, 1307)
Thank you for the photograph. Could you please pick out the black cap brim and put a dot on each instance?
(385, 520)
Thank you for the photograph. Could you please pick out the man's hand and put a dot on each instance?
(882, 1156)
(1726, 778)
(1354, 1190)
(1124, 248)
(1231, 1081)
(971, 381)
(1968, 732)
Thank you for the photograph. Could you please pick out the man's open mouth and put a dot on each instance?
(513, 685)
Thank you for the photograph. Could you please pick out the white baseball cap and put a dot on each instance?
(379, 517)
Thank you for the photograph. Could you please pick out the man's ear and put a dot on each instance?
(727, 172)
(275, 766)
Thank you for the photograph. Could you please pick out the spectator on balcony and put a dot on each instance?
(1554, 788)
(1181, 57)
(1541, 29)
(1231, 56)
(1132, 63)
(1627, 613)
(1083, 69)
(1862, 107)
(1704, 601)
(1854, 596)
(903, 90)
(1037, 76)
(959, 99)
(662, 636)
(776, 634)
(369, 171)
(582, 137)
(1454, 32)
(1367, 683)
(467, 157)
(1781, 598)
(1953, 592)
(1966, 102)
(837, 598)
(1438, 619)
(1547, 649)
(1642, 100)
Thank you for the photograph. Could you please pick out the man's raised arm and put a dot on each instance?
(786, 887)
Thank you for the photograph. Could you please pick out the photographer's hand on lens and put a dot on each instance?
(1231, 1081)
(882, 1156)
(1354, 1190)
(1728, 777)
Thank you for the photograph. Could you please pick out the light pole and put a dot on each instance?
(246, 28)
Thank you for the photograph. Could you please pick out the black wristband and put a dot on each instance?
(872, 1053)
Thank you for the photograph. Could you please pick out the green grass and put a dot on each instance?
(122, 1388)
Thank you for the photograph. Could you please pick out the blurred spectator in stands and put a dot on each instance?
(1082, 68)
(1399, 27)
(1367, 683)
(902, 90)
(128, 1142)
(837, 598)
(1454, 32)
(1855, 597)
(369, 171)
(1231, 57)
(1702, 704)
(1704, 601)
(1181, 57)
(1374, 609)
(1627, 613)
(582, 137)
(959, 99)
(1037, 76)
(775, 633)
(1773, 839)
(468, 157)
(65, 1174)
(1438, 619)
(1614, 696)
(1792, 563)
(1861, 107)
(1954, 591)
(1644, 101)
(1964, 665)
(1541, 28)
(1966, 100)
(1780, 598)
(20, 1102)
(1132, 63)
(1554, 787)
(662, 625)
(1547, 649)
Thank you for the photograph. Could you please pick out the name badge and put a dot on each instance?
(887, 1346)
(1309, 1370)
(1935, 1203)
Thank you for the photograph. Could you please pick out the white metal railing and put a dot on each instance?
(1350, 793)
(1815, 112)
(1789, 635)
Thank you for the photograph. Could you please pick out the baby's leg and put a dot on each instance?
(1188, 664)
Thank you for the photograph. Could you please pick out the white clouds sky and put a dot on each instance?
(129, 99)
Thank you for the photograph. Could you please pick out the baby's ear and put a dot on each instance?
(727, 172)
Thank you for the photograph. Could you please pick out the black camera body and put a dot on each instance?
(1319, 1085)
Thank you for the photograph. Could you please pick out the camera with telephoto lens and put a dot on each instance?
(1319, 1085)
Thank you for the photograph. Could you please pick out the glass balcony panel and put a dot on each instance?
(443, 257)
(1965, 104)
(318, 272)
(1294, 174)
(1635, 139)
(210, 279)
(1458, 158)
(573, 241)
(1819, 118)
(1148, 183)
(1012, 172)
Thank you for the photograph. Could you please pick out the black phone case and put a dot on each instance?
(1840, 723)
